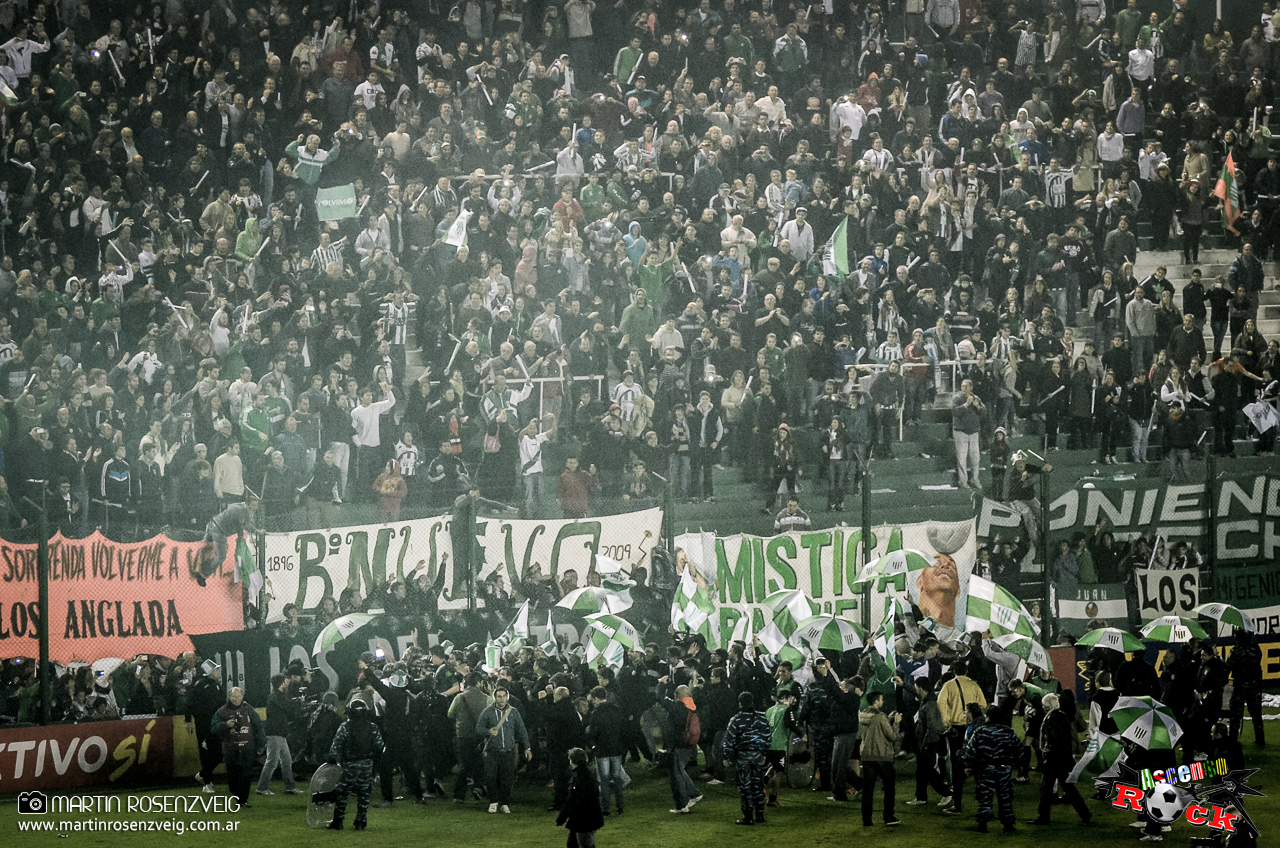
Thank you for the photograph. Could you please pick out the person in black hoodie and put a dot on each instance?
(202, 702)
(1245, 661)
(563, 732)
(397, 724)
(717, 707)
(606, 732)
(1056, 756)
(581, 812)
(846, 700)
(283, 712)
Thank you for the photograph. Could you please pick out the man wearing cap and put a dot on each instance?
(800, 234)
(203, 700)
(746, 739)
(235, 520)
(237, 723)
(398, 725)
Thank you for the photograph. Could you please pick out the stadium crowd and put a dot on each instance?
(603, 225)
(668, 238)
(836, 723)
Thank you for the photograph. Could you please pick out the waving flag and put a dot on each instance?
(457, 235)
(836, 253)
(1229, 193)
(993, 608)
(247, 570)
(550, 647)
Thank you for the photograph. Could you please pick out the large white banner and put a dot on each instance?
(302, 568)
(825, 564)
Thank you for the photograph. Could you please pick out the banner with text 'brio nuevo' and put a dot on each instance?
(113, 598)
(1246, 513)
(826, 563)
(302, 568)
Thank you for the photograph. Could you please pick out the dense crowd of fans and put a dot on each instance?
(604, 225)
(843, 722)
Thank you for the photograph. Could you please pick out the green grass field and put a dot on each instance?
(806, 818)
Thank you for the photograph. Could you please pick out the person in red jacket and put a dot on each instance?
(915, 373)
(391, 490)
(575, 484)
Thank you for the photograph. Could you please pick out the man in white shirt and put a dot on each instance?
(800, 233)
(369, 90)
(1142, 65)
(531, 442)
(367, 438)
(20, 49)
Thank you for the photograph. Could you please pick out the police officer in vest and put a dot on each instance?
(356, 747)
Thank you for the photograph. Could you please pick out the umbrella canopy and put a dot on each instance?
(591, 599)
(1111, 638)
(827, 633)
(339, 629)
(616, 627)
(892, 564)
(1171, 628)
(1228, 615)
(106, 665)
(1030, 650)
(1099, 756)
(1146, 722)
(790, 607)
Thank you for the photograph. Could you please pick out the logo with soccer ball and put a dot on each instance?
(1165, 803)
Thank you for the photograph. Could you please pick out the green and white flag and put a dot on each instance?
(884, 637)
(616, 627)
(836, 253)
(7, 95)
(458, 230)
(692, 605)
(550, 647)
(247, 570)
(590, 599)
(994, 608)
(336, 203)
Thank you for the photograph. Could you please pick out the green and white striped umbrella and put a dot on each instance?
(1171, 628)
(790, 607)
(339, 629)
(1228, 615)
(1111, 638)
(591, 599)
(1099, 755)
(895, 564)
(828, 633)
(1146, 722)
(616, 627)
(1030, 650)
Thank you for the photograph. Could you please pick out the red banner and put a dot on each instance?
(113, 599)
(100, 753)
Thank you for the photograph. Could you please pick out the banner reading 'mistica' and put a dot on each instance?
(826, 563)
(302, 568)
(334, 204)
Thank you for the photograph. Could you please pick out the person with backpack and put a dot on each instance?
(746, 739)
(581, 812)
(502, 728)
(681, 743)
(355, 747)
